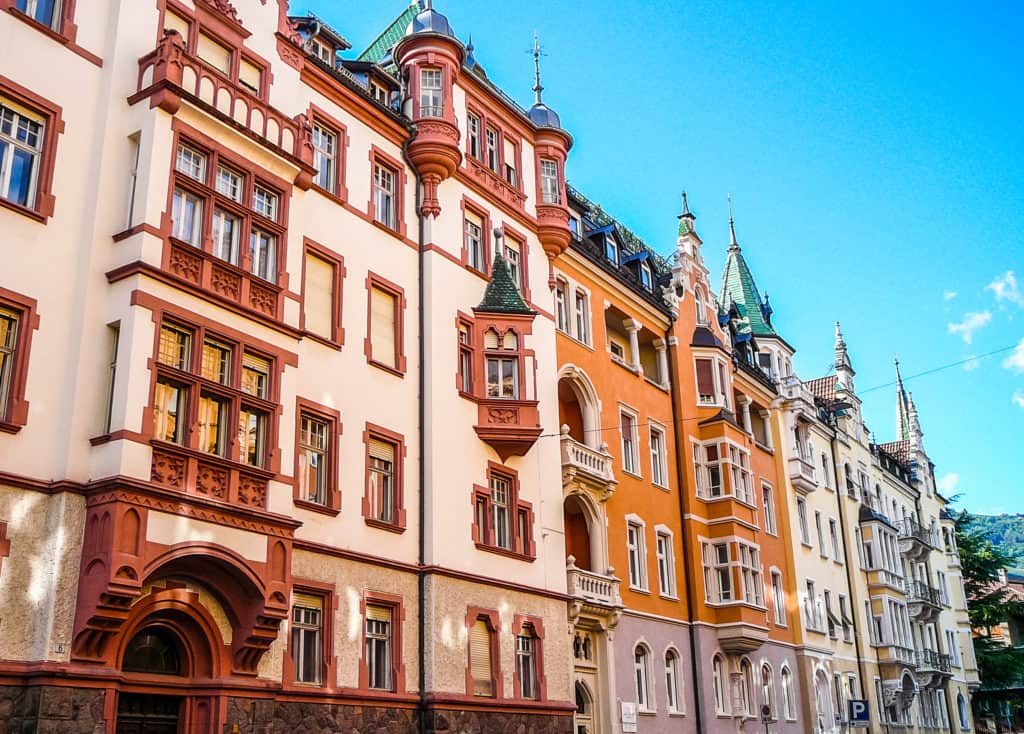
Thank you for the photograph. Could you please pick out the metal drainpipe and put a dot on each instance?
(421, 577)
(676, 430)
(854, 613)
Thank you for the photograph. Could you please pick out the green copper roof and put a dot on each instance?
(738, 287)
(502, 295)
(389, 37)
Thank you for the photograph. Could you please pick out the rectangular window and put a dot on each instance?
(511, 157)
(325, 154)
(252, 436)
(213, 424)
(384, 207)
(322, 51)
(582, 318)
(226, 231)
(473, 135)
(382, 481)
(191, 162)
(383, 327)
(646, 277)
(187, 217)
(307, 638)
(314, 458)
(264, 202)
(811, 608)
(474, 240)
(503, 378)
(750, 572)
(831, 620)
(174, 22)
(175, 347)
(526, 664)
(263, 255)
(801, 512)
(561, 307)
(216, 362)
(659, 465)
(501, 513)
(833, 531)
(135, 147)
(229, 183)
(709, 470)
(318, 296)
(431, 93)
(378, 648)
(514, 255)
(465, 357)
(169, 411)
(706, 382)
(768, 502)
(46, 12)
(630, 454)
(480, 658)
(821, 535)
(7, 351)
(250, 76)
(214, 54)
(845, 618)
(493, 161)
(551, 191)
(666, 565)
(778, 599)
(742, 479)
(637, 556)
(717, 559)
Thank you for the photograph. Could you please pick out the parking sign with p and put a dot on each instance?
(858, 713)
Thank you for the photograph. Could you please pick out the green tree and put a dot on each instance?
(990, 604)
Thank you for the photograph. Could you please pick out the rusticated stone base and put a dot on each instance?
(50, 710)
(495, 722)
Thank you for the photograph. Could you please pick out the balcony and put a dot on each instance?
(894, 654)
(882, 579)
(916, 541)
(801, 475)
(594, 593)
(590, 467)
(933, 668)
(924, 601)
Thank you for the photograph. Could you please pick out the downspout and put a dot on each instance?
(854, 613)
(421, 577)
(676, 424)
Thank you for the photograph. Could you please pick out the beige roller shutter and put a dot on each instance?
(249, 75)
(382, 327)
(378, 614)
(382, 450)
(319, 296)
(307, 601)
(174, 22)
(480, 658)
(214, 54)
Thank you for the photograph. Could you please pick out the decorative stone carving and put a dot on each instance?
(168, 470)
(252, 491)
(212, 481)
(185, 264)
(225, 283)
(262, 299)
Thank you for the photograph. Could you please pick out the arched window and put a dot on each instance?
(719, 681)
(961, 708)
(672, 682)
(788, 700)
(584, 708)
(153, 650)
(642, 674)
(746, 687)
(768, 689)
(701, 306)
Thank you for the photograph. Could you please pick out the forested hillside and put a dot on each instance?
(1006, 531)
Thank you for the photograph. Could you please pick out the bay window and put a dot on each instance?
(716, 559)
(226, 229)
(187, 217)
(707, 461)
(502, 371)
(551, 190)
(431, 93)
(751, 574)
(742, 479)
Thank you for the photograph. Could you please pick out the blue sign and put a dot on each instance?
(859, 713)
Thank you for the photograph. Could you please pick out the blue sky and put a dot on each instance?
(875, 155)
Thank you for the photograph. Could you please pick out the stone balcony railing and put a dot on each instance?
(592, 588)
(801, 474)
(892, 653)
(592, 465)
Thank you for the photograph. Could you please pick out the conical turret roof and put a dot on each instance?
(501, 294)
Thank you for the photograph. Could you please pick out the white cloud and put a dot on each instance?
(972, 364)
(948, 295)
(1015, 362)
(1005, 288)
(948, 483)
(971, 323)
(1018, 399)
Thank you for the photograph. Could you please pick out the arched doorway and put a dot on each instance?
(153, 651)
(584, 709)
(579, 407)
(577, 533)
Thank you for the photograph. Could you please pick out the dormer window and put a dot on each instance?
(574, 226)
(431, 93)
(646, 277)
(322, 51)
(611, 249)
(551, 192)
(378, 92)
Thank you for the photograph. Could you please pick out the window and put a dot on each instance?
(473, 135)
(672, 678)
(582, 317)
(226, 232)
(961, 709)
(561, 307)
(321, 297)
(642, 676)
(844, 618)
(768, 502)
(646, 278)
(712, 383)
(618, 351)
(250, 76)
(493, 161)
(474, 241)
(307, 637)
(717, 572)
(778, 599)
(637, 556)
(379, 93)
(46, 12)
(746, 687)
(768, 690)
(821, 534)
(514, 255)
(384, 199)
(750, 573)
(214, 54)
(526, 663)
(384, 346)
(465, 356)
(383, 500)
(511, 159)
(502, 370)
(174, 22)
(611, 249)
(833, 531)
(832, 622)
(481, 657)
(709, 470)
(322, 51)
(187, 217)
(701, 306)
(720, 684)
(551, 191)
(431, 93)
(379, 667)
(16, 327)
(788, 696)
(502, 522)
(666, 564)
(801, 512)
(742, 479)
(314, 459)
(630, 454)
(325, 154)
(6, 354)
(659, 466)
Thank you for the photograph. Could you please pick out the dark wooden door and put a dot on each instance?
(140, 713)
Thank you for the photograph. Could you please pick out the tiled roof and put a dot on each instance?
(383, 43)
(823, 388)
(502, 295)
(738, 287)
(899, 450)
(631, 243)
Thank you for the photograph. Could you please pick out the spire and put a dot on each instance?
(686, 219)
(843, 366)
(902, 406)
(915, 434)
(733, 244)
(537, 88)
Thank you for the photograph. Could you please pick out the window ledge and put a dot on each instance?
(24, 210)
(633, 474)
(504, 552)
(676, 714)
(575, 339)
(390, 230)
(639, 590)
(655, 384)
(315, 507)
(337, 199)
(329, 343)
(8, 427)
(647, 712)
(388, 526)
(670, 597)
(387, 368)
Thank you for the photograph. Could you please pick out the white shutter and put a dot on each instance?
(319, 296)
(490, 339)
(480, 658)
(382, 327)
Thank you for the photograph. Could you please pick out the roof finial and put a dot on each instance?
(733, 244)
(686, 207)
(537, 88)
(469, 47)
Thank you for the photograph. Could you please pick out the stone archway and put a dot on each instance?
(579, 406)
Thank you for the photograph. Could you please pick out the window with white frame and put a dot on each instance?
(833, 532)
(307, 638)
(717, 558)
(768, 503)
(646, 276)
(431, 93)
(822, 551)
(473, 135)
(707, 463)
(659, 464)
(712, 382)
(811, 612)
(561, 306)
(642, 677)
(384, 208)
(582, 312)
(672, 680)
(611, 248)
(637, 555)
(720, 683)
(778, 599)
(325, 154)
(742, 479)
(551, 192)
(845, 618)
(630, 450)
(514, 256)
(801, 513)
(788, 695)
(473, 235)
(768, 690)
(666, 564)
(746, 685)
(953, 648)
(751, 574)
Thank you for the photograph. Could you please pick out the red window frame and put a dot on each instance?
(381, 158)
(328, 660)
(395, 604)
(493, 620)
(43, 207)
(521, 622)
(397, 440)
(482, 212)
(521, 517)
(336, 339)
(466, 351)
(319, 116)
(14, 415)
(332, 418)
(375, 281)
